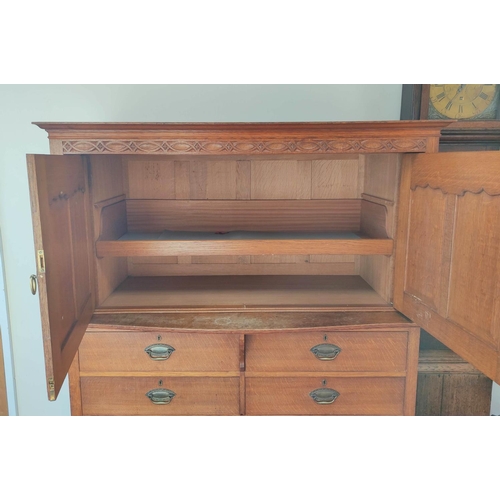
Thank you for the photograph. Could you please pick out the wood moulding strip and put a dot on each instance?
(160, 374)
(225, 139)
(329, 374)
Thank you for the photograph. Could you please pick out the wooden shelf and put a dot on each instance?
(175, 243)
(243, 292)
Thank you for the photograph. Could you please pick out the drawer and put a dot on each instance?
(340, 352)
(354, 396)
(168, 352)
(189, 396)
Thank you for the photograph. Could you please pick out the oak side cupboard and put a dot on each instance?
(260, 268)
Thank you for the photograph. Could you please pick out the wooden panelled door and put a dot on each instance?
(63, 245)
(447, 275)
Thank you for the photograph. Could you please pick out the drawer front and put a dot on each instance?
(146, 352)
(175, 396)
(341, 352)
(308, 396)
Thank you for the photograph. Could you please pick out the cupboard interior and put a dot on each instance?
(311, 231)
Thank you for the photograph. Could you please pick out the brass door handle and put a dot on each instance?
(324, 395)
(326, 352)
(160, 396)
(159, 352)
(33, 283)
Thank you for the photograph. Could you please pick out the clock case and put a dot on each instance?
(467, 135)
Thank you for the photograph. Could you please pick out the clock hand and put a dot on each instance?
(460, 88)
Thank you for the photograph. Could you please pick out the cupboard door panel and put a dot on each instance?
(61, 226)
(474, 285)
(447, 274)
(428, 274)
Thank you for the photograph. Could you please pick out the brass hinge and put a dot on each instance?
(52, 389)
(41, 261)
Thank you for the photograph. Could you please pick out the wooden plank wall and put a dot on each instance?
(247, 179)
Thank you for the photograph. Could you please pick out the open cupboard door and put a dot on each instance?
(63, 247)
(447, 274)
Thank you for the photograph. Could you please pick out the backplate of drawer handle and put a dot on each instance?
(326, 352)
(159, 352)
(324, 395)
(160, 396)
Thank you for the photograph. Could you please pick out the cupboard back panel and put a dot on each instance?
(154, 178)
(276, 179)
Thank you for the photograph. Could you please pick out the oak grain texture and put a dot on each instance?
(127, 396)
(411, 371)
(61, 226)
(336, 179)
(449, 285)
(466, 394)
(159, 248)
(107, 177)
(429, 247)
(381, 187)
(360, 351)
(116, 351)
(284, 179)
(113, 221)
(234, 139)
(267, 321)
(142, 266)
(243, 215)
(373, 219)
(449, 386)
(74, 386)
(108, 186)
(474, 288)
(184, 292)
(358, 396)
(457, 173)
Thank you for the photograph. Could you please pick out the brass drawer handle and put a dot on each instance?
(324, 396)
(160, 396)
(326, 352)
(159, 352)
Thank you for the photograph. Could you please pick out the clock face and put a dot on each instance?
(463, 101)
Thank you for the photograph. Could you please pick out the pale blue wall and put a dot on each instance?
(20, 105)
